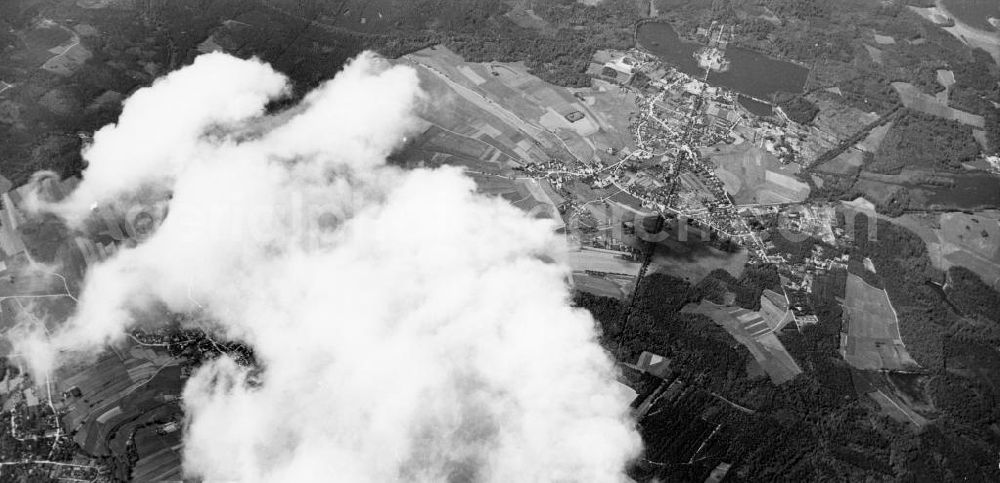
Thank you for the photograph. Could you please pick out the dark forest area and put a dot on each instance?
(817, 426)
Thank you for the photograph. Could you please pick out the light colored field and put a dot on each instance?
(106, 385)
(109, 414)
(977, 234)
(988, 272)
(844, 163)
(465, 126)
(785, 181)
(981, 138)
(524, 194)
(610, 106)
(548, 207)
(876, 191)
(534, 107)
(163, 465)
(774, 309)
(897, 410)
(973, 242)
(914, 98)
(103, 385)
(874, 139)
(94, 4)
(875, 53)
(750, 329)
(68, 61)
(731, 180)
(988, 41)
(527, 18)
(837, 118)
(471, 75)
(884, 39)
(597, 286)
(946, 78)
(585, 127)
(752, 175)
(440, 65)
(949, 243)
(86, 30)
(605, 261)
(773, 197)
(870, 338)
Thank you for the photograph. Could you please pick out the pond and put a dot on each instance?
(750, 73)
(756, 107)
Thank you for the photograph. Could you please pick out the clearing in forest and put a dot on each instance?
(755, 332)
(870, 336)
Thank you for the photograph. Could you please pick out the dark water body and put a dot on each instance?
(758, 108)
(750, 73)
(970, 191)
(661, 39)
(974, 12)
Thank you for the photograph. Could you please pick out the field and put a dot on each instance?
(752, 330)
(68, 61)
(967, 34)
(523, 16)
(696, 264)
(752, 175)
(947, 79)
(529, 195)
(874, 139)
(895, 394)
(880, 193)
(845, 163)
(895, 410)
(774, 309)
(976, 13)
(968, 240)
(870, 336)
(875, 53)
(976, 234)
(924, 189)
(602, 272)
(836, 118)
(914, 98)
(39, 43)
(853, 159)
(468, 123)
(884, 39)
(604, 261)
(528, 105)
(613, 286)
(117, 392)
(159, 455)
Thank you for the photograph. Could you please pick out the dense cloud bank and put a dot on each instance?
(407, 327)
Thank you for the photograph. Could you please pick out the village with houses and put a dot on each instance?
(659, 165)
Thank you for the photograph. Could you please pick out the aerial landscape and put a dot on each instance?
(499, 240)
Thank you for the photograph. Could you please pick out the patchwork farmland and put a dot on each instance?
(917, 100)
(756, 331)
(752, 175)
(122, 390)
(870, 338)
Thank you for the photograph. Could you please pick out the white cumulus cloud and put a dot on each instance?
(408, 328)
